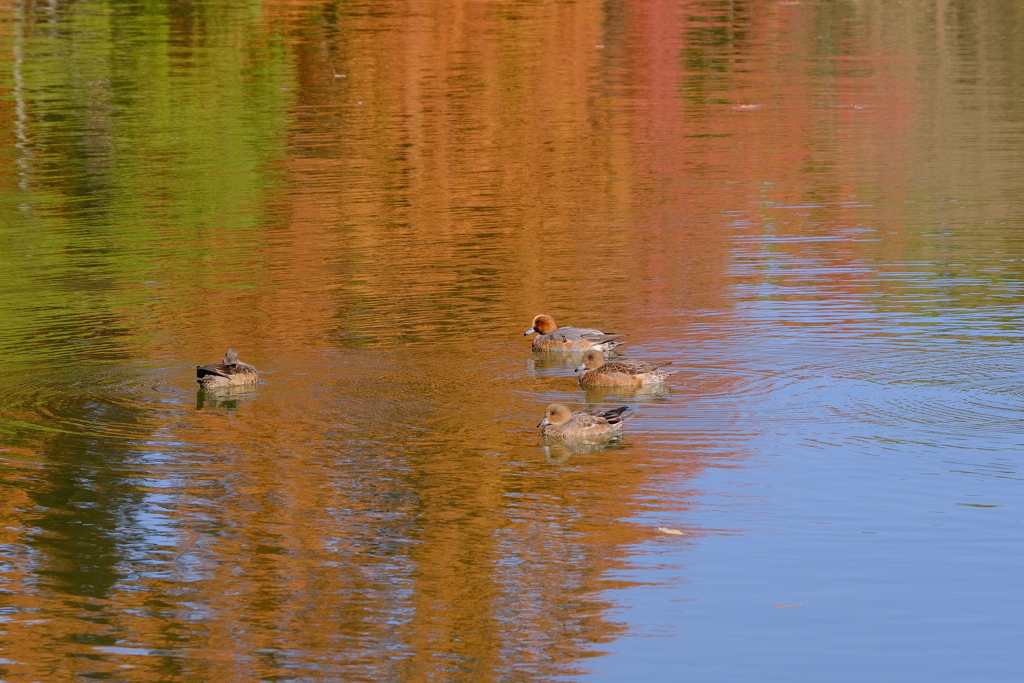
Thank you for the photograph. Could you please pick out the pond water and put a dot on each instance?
(813, 209)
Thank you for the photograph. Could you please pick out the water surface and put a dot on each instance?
(811, 208)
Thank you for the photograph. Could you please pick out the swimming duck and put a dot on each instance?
(620, 373)
(561, 422)
(231, 372)
(555, 338)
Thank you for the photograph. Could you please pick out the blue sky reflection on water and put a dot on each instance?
(834, 562)
(875, 531)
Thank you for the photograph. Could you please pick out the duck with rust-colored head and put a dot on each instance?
(231, 372)
(601, 423)
(555, 338)
(621, 373)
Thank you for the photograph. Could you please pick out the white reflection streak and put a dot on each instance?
(20, 128)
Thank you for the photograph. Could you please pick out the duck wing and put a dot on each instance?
(610, 416)
(630, 367)
(218, 369)
(588, 334)
(588, 419)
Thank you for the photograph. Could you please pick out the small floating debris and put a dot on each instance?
(673, 532)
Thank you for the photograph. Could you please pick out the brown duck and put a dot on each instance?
(601, 423)
(620, 373)
(231, 372)
(554, 338)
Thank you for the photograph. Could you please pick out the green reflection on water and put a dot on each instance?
(147, 137)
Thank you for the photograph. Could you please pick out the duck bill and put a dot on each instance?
(544, 423)
(529, 332)
(582, 367)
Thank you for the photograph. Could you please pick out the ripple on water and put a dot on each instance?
(111, 404)
(846, 373)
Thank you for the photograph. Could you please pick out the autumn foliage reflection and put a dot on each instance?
(373, 201)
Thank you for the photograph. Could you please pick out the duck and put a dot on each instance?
(555, 338)
(561, 422)
(230, 372)
(622, 373)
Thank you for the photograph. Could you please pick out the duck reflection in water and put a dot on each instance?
(558, 452)
(217, 397)
(598, 394)
(567, 360)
